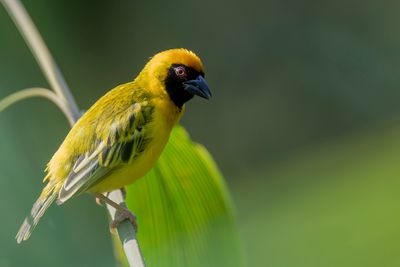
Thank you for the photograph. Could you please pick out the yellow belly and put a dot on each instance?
(139, 166)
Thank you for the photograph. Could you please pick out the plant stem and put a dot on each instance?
(41, 53)
(65, 101)
(133, 256)
(37, 92)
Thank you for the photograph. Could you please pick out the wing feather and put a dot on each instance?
(126, 139)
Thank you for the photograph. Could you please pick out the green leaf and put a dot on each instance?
(184, 210)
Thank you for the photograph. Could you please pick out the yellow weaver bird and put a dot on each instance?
(120, 138)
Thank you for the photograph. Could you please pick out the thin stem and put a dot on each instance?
(124, 229)
(37, 92)
(40, 51)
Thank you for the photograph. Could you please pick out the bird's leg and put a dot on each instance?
(123, 191)
(100, 203)
(121, 214)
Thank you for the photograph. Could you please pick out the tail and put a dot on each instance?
(41, 205)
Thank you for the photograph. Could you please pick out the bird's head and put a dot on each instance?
(180, 73)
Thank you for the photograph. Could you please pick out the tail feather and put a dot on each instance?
(38, 209)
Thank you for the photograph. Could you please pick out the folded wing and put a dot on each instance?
(125, 140)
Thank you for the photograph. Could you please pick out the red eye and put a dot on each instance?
(180, 71)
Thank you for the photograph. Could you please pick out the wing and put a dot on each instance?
(125, 139)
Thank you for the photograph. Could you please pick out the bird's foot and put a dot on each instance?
(121, 212)
(121, 215)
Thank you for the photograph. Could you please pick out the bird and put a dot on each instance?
(121, 136)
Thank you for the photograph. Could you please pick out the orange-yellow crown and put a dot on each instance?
(161, 62)
(179, 56)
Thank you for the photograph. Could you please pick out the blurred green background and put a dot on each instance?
(304, 122)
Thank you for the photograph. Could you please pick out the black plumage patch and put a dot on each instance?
(174, 84)
(131, 120)
(126, 151)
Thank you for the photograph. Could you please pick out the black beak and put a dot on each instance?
(198, 87)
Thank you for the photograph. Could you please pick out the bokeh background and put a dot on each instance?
(304, 122)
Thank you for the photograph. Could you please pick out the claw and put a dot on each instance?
(121, 211)
(122, 215)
